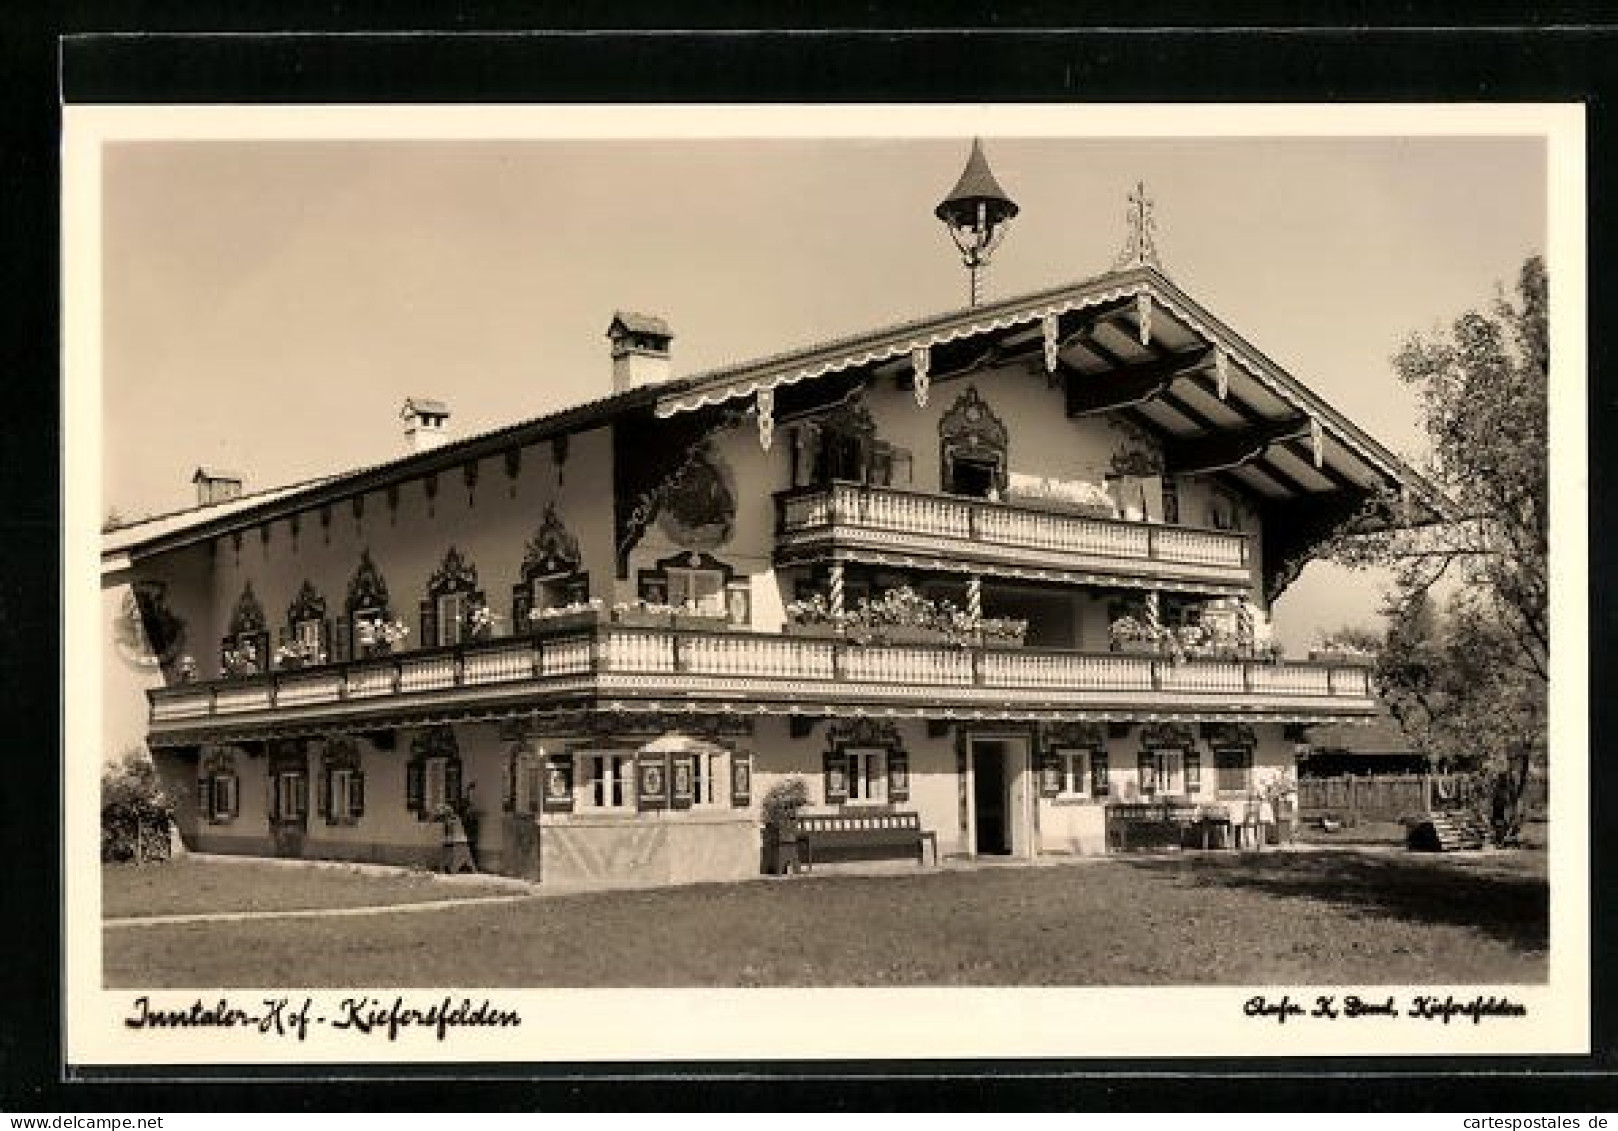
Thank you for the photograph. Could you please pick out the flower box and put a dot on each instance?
(820, 631)
(641, 618)
(908, 634)
(579, 620)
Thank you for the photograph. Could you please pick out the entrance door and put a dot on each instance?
(989, 796)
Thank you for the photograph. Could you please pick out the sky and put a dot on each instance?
(268, 305)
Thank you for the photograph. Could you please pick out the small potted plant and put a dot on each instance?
(482, 623)
(779, 814)
(376, 637)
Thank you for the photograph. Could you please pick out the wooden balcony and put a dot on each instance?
(754, 672)
(879, 524)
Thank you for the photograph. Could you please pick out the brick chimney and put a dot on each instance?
(216, 486)
(640, 350)
(426, 423)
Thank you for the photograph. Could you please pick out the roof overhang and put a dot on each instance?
(1131, 342)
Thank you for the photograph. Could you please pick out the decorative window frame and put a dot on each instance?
(287, 783)
(248, 631)
(862, 738)
(551, 556)
(367, 596)
(1069, 754)
(431, 747)
(455, 577)
(218, 786)
(970, 427)
(341, 756)
(652, 585)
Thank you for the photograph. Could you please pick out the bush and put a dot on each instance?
(783, 800)
(135, 812)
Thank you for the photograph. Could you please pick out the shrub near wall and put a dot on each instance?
(135, 812)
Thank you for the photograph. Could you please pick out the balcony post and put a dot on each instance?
(974, 597)
(834, 597)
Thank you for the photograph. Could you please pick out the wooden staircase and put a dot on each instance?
(1449, 831)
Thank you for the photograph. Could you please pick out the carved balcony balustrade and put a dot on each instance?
(856, 521)
(757, 672)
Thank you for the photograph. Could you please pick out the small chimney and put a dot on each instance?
(425, 423)
(640, 350)
(216, 486)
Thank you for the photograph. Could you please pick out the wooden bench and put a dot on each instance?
(817, 832)
(1155, 824)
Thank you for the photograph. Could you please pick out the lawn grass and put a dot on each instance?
(1321, 917)
(188, 886)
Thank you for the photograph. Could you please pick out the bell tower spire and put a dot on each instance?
(977, 213)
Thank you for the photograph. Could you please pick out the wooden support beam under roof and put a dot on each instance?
(1219, 450)
(1306, 455)
(1091, 393)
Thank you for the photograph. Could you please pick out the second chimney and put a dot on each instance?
(216, 486)
(425, 423)
(640, 350)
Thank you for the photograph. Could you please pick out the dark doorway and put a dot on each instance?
(972, 477)
(989, 798)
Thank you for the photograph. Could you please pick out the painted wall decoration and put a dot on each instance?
(146, 632)
(699, 510)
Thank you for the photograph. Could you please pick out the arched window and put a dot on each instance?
(452, 595)
(972, 449)
(550, 576)
(342, 783)
(245, 649)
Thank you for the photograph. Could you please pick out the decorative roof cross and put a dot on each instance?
(1140, 246)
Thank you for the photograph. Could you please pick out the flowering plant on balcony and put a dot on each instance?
(240, 662)
(593, 605)
(379, 635)
(1005, 630)
(814, 609)
(188, 669)
(482, 621)
(297, 653)
(1130, 630)
(902, 607)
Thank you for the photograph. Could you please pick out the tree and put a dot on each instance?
(135, 811)
(1473, 683)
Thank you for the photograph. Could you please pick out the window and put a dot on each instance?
(1233, 770)
(1171, 499)
(306, 633)
(451, 618)
(1162, 771)
(867, 775)
(291, 795)
(973, 477)
(435, 782)
(612, 781)
(342, 796)
(705, 774)
(700, 589)
(217, 797)
(1075, 766)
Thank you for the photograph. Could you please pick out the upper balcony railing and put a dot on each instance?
(752, 668)
(854, 515)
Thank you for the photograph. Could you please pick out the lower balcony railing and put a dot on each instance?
(760, 668)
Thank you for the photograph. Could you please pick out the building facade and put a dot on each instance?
(1002, 567)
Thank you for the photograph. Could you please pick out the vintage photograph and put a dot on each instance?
(642, 553)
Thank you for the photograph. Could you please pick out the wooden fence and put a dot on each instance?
(1392, 797)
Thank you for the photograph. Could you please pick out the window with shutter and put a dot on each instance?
(205, 798)
(1147, 766)
(1193, 772)
(356, 795)
(341, 639)
(416, 789)
(1099, 784)
(558, 783)
(1050, 774)
(682, 780)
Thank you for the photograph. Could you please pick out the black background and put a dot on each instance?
(147, 53)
